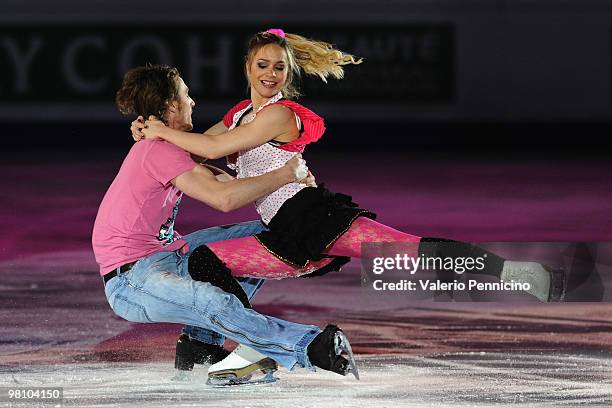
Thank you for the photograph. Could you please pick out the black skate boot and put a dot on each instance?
(327, 349)
(190, 352)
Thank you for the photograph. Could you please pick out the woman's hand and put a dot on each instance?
(153, 128)
(137, 127)
(310, 180)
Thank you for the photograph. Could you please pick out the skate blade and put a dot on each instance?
(243, 375)
(344, 347)
(264, 365)
(229, 381)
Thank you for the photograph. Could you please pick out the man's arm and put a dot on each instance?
(219, 174)
(200, 183)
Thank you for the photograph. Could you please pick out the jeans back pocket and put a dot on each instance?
(130, 311)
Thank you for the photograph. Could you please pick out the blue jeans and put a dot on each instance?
(158, 288)
(250, 285)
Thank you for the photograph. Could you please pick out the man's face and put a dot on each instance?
(179, 112)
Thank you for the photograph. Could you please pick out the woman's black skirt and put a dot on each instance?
(308, 223)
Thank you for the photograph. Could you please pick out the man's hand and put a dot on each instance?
(153, 128)
(136, 128)
(296, 168)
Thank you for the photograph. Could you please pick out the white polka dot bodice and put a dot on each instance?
(263, 159)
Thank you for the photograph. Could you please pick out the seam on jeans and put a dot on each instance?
(136, 305)
(140, 289)
(302, 345)
(182, 305)
(303, 348)
(116, 288)
(253, 339)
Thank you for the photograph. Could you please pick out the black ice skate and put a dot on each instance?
(331, 351)
(190, 351)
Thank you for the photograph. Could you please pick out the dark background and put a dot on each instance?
(483, 79)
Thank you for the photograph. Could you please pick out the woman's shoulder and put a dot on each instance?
(277, 112)
(312, 125)
(298, 108)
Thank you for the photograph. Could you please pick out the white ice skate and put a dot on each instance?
(241, 366)
(546, 283)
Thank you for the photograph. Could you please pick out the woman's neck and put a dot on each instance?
(257, 101)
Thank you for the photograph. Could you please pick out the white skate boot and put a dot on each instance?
(546, 283)
(240, 366)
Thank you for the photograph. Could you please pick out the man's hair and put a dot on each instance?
(148, 90)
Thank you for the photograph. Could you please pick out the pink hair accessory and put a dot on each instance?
(276, 31)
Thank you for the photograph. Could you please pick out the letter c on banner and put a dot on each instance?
(69, 64)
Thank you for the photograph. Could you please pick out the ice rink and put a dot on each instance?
(58, 331)
(453, 379)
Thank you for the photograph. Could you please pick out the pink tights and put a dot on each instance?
(247, 257)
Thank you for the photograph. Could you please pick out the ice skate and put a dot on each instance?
(190, 351)
(331, 351)
(243, 366)
(546, 283)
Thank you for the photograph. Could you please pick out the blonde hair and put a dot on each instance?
(313, 57)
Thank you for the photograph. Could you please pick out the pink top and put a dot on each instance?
(269, 156)
(136, 216)
(313, 124)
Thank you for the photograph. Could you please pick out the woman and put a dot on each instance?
(307, 224)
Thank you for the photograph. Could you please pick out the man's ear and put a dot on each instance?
(173, 106)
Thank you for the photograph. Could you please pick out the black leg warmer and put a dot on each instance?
(205, 266)
(443, 248)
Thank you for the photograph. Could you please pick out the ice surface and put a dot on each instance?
(57, 330)
(456, 379)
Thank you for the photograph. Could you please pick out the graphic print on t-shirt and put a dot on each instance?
(166, 231)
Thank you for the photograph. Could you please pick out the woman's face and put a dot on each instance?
(267, 71)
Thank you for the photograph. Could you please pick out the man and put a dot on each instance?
(142, 259)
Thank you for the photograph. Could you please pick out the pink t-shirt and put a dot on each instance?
(136, 217)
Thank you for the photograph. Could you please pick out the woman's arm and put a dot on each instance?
(273, 122)
(139, 123)
(217, 129)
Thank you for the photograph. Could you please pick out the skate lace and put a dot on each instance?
(238, 349)
(520, 274)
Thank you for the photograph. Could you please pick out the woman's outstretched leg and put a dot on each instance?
(545, 283)
(247, 257)
(367, 230)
